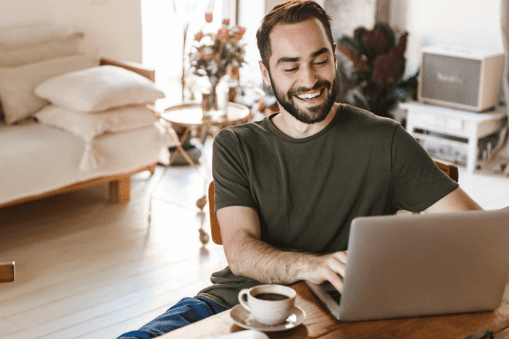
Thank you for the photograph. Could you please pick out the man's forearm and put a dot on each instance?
(250, 257)
(255, 259)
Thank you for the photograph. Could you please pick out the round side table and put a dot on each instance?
(186, 117)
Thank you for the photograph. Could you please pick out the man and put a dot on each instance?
(288, 187)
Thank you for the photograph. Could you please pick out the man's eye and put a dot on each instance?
(321, 62)
(291, 70)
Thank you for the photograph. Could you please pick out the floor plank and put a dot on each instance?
(6, 327)
(114, 295)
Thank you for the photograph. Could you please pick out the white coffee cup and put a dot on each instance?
(269, 304)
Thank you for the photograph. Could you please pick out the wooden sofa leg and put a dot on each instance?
(119, 190)
(6, 272)
(152, 169)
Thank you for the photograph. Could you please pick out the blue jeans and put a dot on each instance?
(186, 311)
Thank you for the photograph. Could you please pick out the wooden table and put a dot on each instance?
(320, 324)
(187, 117)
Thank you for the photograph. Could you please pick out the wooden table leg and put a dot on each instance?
(6, 272)
(180, 149)
(177, 142)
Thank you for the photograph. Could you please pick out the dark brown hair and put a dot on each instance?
(290, 12)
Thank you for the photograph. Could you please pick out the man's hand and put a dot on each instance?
(250, 257)
(330, 267)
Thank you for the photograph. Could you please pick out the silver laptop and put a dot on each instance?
(413, 265)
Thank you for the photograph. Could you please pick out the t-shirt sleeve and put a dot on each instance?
(229, 170)
(416, 182)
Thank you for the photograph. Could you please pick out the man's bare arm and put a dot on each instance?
(456, 201)
(250, 257)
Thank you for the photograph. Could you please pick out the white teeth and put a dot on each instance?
(309, 96)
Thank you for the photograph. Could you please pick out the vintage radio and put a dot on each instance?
(458, 77)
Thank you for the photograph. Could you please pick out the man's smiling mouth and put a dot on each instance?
(310, 96)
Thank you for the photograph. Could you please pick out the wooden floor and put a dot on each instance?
(86, 268)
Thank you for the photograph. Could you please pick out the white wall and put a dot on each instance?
(115, 25)
(112, 25)
(467, 23)
(250, 15)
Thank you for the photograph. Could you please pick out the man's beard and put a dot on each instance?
(308, 115)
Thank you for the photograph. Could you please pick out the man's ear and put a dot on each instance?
(265, 73)
(335, 51)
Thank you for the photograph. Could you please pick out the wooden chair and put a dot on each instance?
(450, 169)
(214, 223)
(6, 272)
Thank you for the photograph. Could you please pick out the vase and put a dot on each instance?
(209, 100)
(214, 98)
(233, 83)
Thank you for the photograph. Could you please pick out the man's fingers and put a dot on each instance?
(341, 256)
(337, 266)
(330, 268)
(336, 271)
(336, 281)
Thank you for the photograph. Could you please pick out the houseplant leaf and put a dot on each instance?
(388, 31)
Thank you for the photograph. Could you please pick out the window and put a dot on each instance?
(163, 24)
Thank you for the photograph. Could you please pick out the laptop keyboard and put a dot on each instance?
(335, 295)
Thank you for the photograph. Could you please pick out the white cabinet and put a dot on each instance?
(463, 137)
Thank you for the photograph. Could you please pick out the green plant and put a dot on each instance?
(372, 68)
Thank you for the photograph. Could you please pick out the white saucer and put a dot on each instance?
(242, 317)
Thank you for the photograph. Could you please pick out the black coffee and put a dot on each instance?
(271, 296)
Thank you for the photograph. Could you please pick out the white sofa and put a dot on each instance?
(39, 160)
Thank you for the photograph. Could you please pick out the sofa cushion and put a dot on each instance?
(89, 126)
(17, 83)
(17, 55)
(98, 89)
(32, 33)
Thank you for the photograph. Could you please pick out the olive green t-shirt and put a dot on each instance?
(307, 191)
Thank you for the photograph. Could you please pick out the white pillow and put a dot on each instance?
(28, 34)
(89, 126)
(17, 83)
(25, 54)
(98, 89)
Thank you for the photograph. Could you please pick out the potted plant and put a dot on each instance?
(372, 77)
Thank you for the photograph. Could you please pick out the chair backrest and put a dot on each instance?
(214, 223)
(450, 169)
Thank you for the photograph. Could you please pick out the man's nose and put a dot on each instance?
(308, 77)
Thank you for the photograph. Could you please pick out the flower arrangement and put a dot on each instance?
(375, 82)
(215, 55)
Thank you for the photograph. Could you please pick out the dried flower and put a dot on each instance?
(214, 54)
(198, 36)
(226, 22)
(209, 17)
(239, 31)
(207, 53)
(222, 34)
